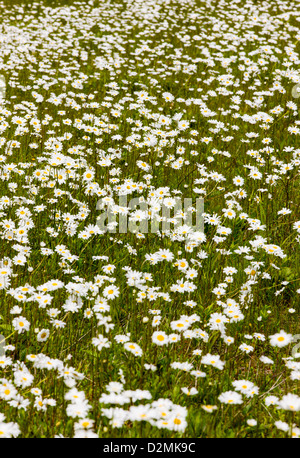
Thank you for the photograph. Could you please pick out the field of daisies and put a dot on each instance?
(168, 333)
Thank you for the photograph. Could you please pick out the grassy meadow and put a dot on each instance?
(172, 333)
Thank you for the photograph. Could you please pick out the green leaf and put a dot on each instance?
(6, 326)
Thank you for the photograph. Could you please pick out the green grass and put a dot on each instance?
(51, 50)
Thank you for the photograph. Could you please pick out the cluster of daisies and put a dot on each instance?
(120, 123)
